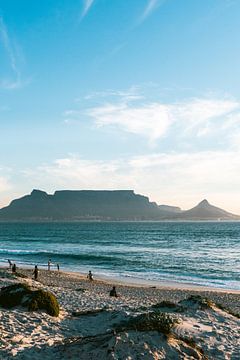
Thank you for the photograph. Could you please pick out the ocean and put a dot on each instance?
(203, 253)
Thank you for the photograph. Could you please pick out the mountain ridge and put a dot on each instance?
(104, 205)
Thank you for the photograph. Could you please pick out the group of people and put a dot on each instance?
(13, 267)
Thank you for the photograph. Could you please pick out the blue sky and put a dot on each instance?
(115, 94)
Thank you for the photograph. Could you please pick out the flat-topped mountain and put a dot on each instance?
(81, 205)
(74, 205)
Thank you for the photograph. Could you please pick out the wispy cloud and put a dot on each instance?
(151, 6)
(154, 120)
(151, 120)
(10, 51)
(87, 4)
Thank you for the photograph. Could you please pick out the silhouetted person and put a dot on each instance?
(113, 292)
(90, 277)
(35, 272)
(10, 264)
(58, 268)
(14, 268)
(49, 264)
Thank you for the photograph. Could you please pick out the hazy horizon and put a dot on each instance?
(106, 95)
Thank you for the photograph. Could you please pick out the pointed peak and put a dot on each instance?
(204, 202)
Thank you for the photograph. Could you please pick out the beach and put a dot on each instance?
(89, 318)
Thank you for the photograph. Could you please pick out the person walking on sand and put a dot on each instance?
(89, 276)
(35, 272)
(10, 264)
(113, 292)
(49, 264)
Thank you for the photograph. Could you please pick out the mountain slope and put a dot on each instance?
(206, 211)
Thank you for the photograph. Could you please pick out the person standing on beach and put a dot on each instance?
(90, 277)
(58, 267)
(35, 272)
(10, 264)
(49, 264)
(14, 268)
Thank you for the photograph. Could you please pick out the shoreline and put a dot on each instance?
(158, 284)
(133, 281)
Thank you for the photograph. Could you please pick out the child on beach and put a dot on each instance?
(89, 276)
(35, 272)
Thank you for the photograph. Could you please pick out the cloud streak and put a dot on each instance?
(151, 6)
(87, 4)
(9, 48)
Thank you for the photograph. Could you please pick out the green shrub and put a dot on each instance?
(21, 294)
(152, 321)
(13, 295)
(44, 300)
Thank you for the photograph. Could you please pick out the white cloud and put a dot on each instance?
(153, 120)
(77, 173)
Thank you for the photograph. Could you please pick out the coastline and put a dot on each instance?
(133, 281)
(138, 282)
(88, 313)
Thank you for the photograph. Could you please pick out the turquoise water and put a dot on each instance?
(196, 253)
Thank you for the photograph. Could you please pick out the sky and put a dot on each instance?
(121, 94)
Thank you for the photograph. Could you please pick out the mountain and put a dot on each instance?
(170, 209)
(73, 205)
(83, 205)
(206, 211)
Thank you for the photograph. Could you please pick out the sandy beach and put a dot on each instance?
(90, 321)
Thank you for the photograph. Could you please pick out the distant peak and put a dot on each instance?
(204, 203)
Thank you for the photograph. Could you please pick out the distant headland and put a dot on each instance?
(104, 205)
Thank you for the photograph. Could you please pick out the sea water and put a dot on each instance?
(203, 253)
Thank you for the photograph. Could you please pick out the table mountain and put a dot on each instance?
(74, 205)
